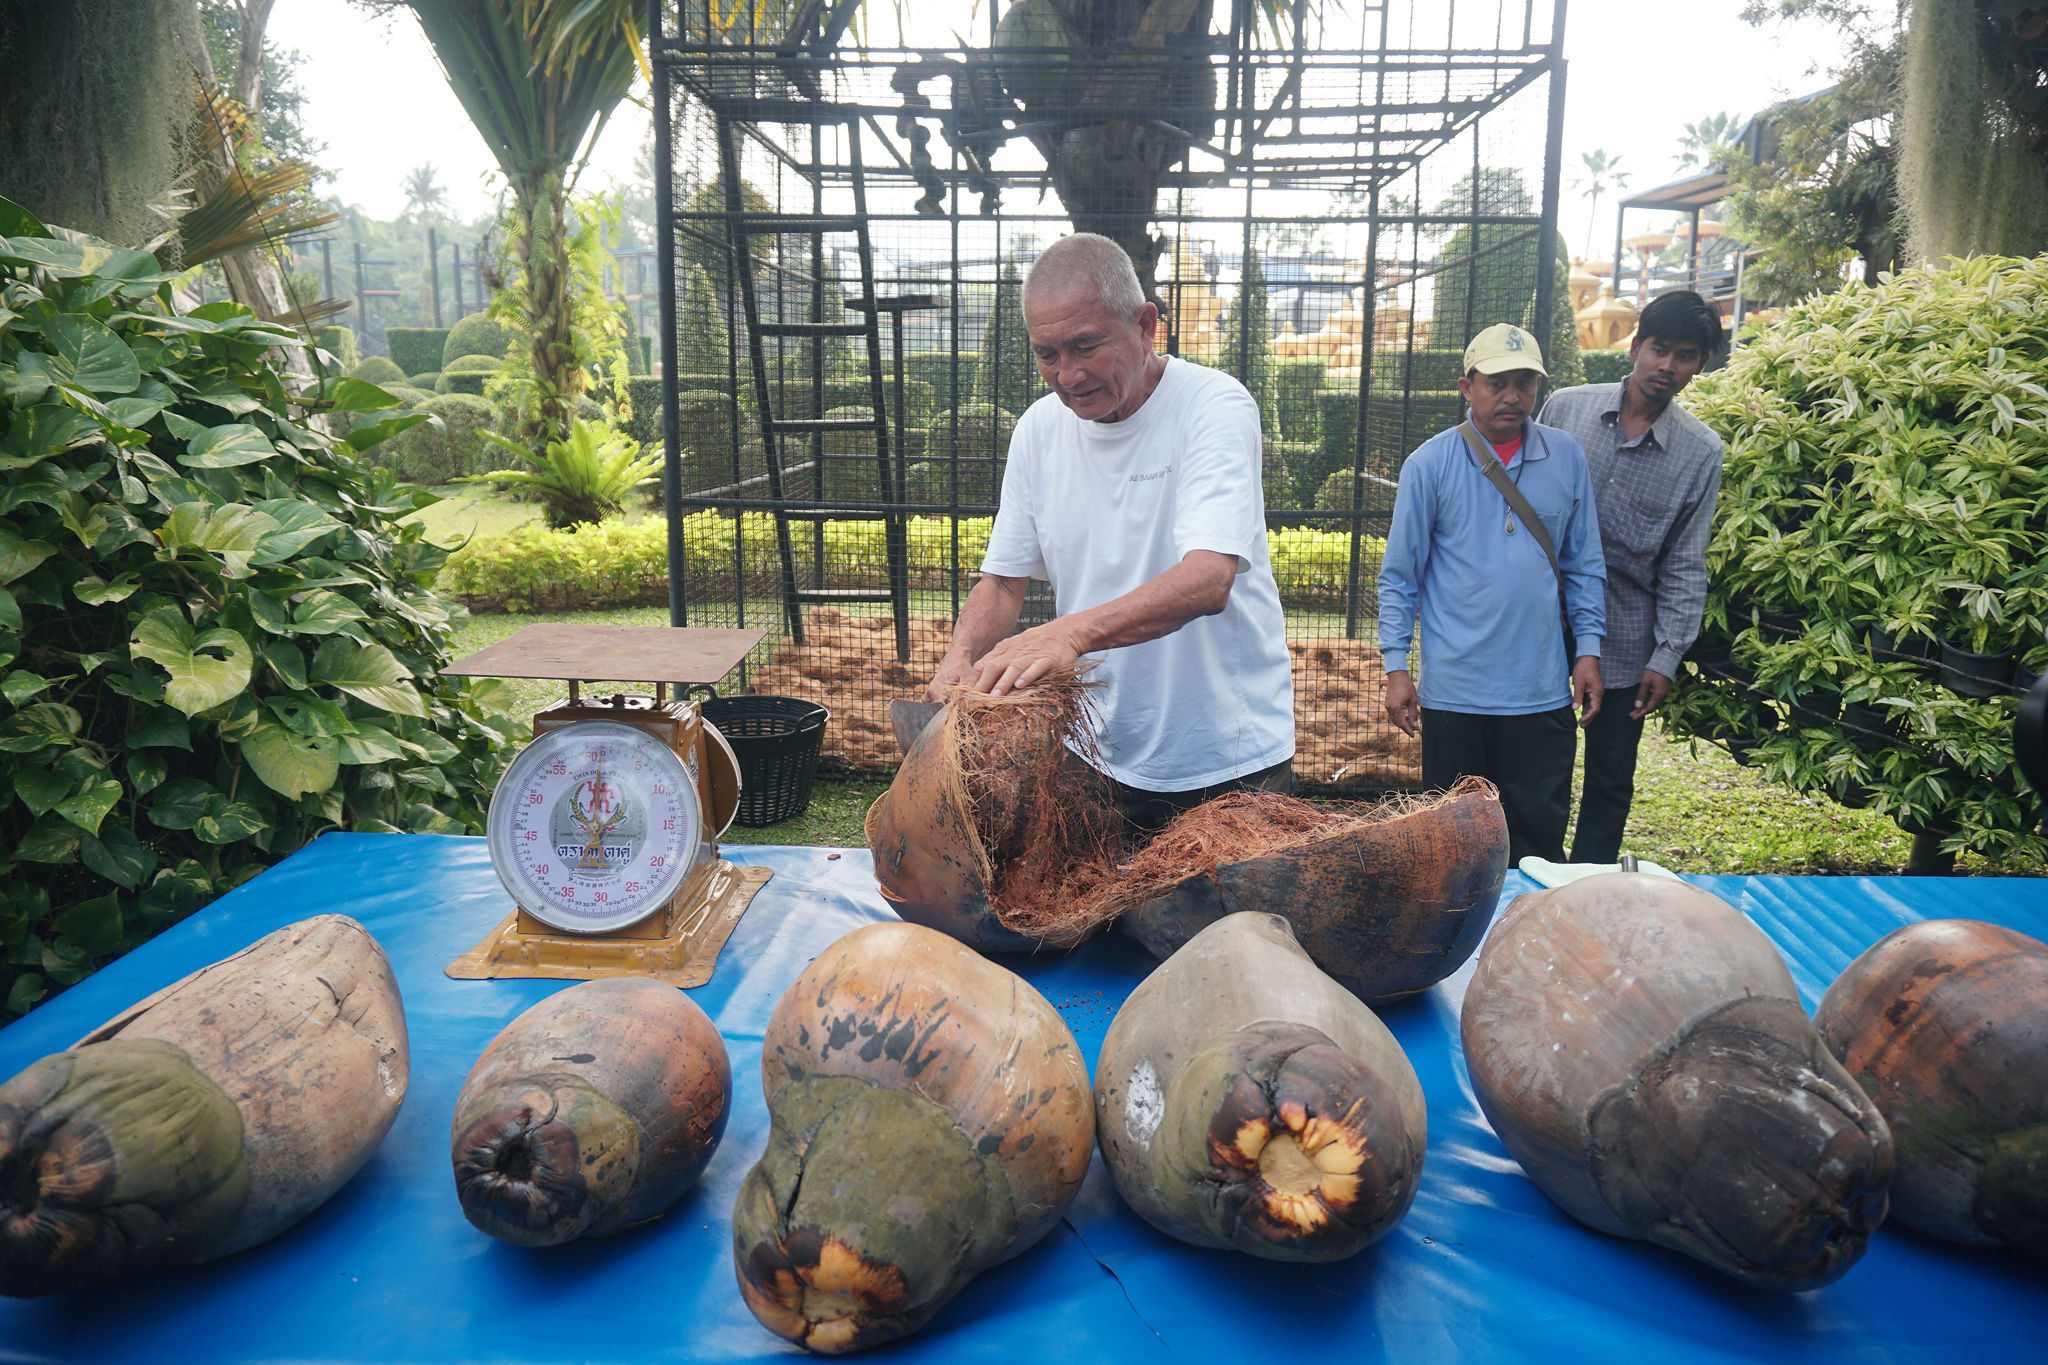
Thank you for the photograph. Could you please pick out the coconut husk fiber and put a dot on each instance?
(994, 831)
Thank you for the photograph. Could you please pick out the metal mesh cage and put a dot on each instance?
(1329, 212)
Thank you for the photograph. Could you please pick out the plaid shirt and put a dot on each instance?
(1656, 500)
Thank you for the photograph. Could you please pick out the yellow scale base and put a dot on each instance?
(678, 944)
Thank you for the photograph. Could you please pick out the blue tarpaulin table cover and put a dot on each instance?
(1483, 1268)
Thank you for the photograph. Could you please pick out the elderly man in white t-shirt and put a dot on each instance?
(1133, 488)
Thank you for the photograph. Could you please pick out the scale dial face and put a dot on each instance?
(594, 826)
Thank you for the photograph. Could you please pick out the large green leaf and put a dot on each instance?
(299, 524)
(94, 925)
(89, 355)
(90, 806)
(180, 802)
(311, 715)
(26, 380)
(324, 613)
(225, 393)
(41, 788)
(229, 822)
(18, 556)
(42, 726)
(16, 221)
(368, 672)
(67, 260)
(232, 531)
(50, 839)
(160, 732)
(199, 679)
(291, 765)
(45, 430)
(358, 395)
(96, 591)
(116, 854)
(224, 447)
(369, 744)
(362, 438)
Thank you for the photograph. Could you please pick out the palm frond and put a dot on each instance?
(248, 212)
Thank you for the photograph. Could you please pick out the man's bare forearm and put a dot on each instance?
(1197, 586)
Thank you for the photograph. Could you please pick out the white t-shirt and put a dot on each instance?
(1099, 508)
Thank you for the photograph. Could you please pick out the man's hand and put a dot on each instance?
(1403, 708)
(1650, 693)
(1025, 657)
(952, 672)
(1586, 688)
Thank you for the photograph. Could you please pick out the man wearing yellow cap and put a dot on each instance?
(1495, 553)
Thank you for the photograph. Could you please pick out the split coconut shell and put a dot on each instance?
(205, 1119)
(1945, 1026)
(590, 1113)
(1639, 1047)
(930, 1117)
(1389, 899)
(993, 831)
(1244, 1099)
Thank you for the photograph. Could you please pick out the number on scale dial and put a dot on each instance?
(594, 826)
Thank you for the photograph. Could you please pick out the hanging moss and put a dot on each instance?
(1971, 178)
(93, 111)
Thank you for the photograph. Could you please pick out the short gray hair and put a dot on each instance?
(1095, 258)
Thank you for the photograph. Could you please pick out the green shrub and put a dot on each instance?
(339, 342)
(1276, 478)
(612, 563)
(221, 641)
(1397, 370)
(378, 370)
(467, 374)
(439, 453)
(416, 350)
(428, 381)
(1886, 469)
(950, 387)
(580, 481)
(477, 334)
(1605, 367)
(1295, 385)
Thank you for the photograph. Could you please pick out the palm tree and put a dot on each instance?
(539, 79)
(1602, 173)
(424, 196)
(1700, 139)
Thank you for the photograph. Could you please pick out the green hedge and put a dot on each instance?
(1296, 383)
(379, 371)
(477, 334)
(1605, 367)
(416, 350)
(1281, 459)
(467, 374)
(339, 342)
(535, 568)
(1435, 370)
(934, 369)
(440, 453)
(428, 381)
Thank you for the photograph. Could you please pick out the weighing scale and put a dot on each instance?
(604, 829)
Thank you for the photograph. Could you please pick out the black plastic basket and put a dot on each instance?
(776, 740)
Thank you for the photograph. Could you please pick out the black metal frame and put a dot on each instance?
(1289, 116)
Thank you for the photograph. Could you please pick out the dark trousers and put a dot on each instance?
(1611, 741)
(1528, 757)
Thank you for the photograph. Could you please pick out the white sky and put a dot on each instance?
(1639, 71)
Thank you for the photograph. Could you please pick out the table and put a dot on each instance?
(1483, 1268)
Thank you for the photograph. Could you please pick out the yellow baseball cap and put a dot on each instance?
(1504, 346)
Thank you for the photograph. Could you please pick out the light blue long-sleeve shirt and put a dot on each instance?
(1486, 599)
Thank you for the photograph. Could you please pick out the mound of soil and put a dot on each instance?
(848, 665)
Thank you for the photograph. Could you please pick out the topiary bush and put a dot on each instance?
(1296, 382)
(416, 350)
(339, 342)
(220, 640)
(453, 446)
(477, 334)
(949, 375)
(1433, 370)
(1276, 478)
(1605, 367)
(425, 380)
(467, 374)
(377, 370)
(1885, 488)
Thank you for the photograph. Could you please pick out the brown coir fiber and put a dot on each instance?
(1041, 817)
(1051, 843)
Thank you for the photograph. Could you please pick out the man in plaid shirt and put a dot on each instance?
(1656, 472)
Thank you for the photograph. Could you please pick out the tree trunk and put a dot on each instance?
(253, 276)
(542, 248)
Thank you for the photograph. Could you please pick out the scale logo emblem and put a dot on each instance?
(597, 825)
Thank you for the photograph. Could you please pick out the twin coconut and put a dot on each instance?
(1634, 1041)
